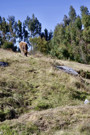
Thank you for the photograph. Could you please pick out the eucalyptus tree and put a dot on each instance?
(72, 14)
(12, 28)
(33, 25)
(19, 30)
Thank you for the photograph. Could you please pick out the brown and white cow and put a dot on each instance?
(23, 48)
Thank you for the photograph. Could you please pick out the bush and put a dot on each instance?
(7, 45)
(40, 44)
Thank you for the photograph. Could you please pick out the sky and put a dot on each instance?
(48, 12)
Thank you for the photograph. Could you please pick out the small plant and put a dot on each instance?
(42, 105)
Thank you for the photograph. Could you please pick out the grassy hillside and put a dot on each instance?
(38, 99)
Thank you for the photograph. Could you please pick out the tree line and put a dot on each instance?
(70, 39)
(12, 31)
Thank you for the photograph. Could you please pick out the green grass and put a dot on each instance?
(19, 129)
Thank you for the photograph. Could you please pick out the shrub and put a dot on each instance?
(7, 45)
(40, 44)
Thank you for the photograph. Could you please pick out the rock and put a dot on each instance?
(3, 64)
(68, 70)
(86, 101)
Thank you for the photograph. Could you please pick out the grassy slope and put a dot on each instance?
(43, 100)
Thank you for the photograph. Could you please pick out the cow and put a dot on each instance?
(23, 48)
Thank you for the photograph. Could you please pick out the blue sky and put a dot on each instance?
(48, 12)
